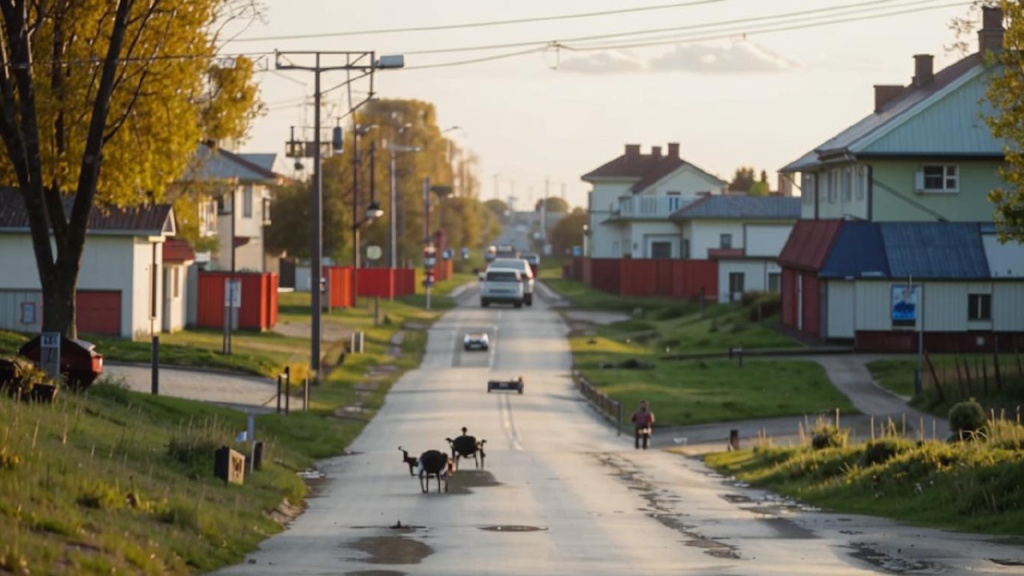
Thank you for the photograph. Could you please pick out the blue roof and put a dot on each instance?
(941, 250)
(858, 251)
(741, 208)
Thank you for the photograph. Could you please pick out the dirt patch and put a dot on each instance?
(893, 564)
(285, 512)
(464, 480)
(375, 573)
(392, 550)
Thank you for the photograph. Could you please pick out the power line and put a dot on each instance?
(477, 24)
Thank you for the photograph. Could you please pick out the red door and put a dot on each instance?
(98, 312)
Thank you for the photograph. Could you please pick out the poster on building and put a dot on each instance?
(904, 304)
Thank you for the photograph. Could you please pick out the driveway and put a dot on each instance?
(248, 393)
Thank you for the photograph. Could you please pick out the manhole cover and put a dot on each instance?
(513, 528)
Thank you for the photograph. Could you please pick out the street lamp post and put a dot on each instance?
(394, 149)
(373, 210)
(365, 63)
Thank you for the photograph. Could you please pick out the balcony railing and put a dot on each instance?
(649, 207)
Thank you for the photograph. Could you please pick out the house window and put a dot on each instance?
(979, 307)
(266, 211)
(807, 189)
(224, 202)
(208, 218)
(736, 281)
(939, 178)
(775, 282)
(661, 249)
(861, 182)
(833, 186)
(847, 184)
(247, 202)
(725, 241)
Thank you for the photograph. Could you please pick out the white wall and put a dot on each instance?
(250, 256)
(687, 181)
(873, 305)
(135, 299)
(174, 312)
(604, 198)
(1008, 306)
(1004, 260)
(641, 234)
(11, 314)
(705, 234)
(841, 309)
(766, 240)
(755, 275)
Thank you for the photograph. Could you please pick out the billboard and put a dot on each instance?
(905, 304)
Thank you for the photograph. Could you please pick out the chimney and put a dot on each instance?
(990, 37)
(656, 152)
(632, 151)
(785, 186)
(923, 71)
(884, 93)
(673, 149)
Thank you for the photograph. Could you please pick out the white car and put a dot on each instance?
(476, 341)
(525, 274)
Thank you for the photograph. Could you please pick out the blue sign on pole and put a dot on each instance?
(904, 304)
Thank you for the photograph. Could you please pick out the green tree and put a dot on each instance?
(1004, 92)
(568, 232)
(553, 203)
(761, 187)
(105, 101)
(497, 207)
(742, 180)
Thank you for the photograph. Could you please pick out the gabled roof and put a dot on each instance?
(941, 250)
(809, 244)
(646, 169)
(143, 220)
(730, 207)
(910, 103)
(212, 163)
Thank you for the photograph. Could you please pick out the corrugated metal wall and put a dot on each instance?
(12, 314)
(1008, 306)
(841, 309)
(259, 295)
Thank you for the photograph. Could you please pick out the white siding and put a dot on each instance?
(873, 305)
(706, 234)
(755, 275)
(641, 234)
(766, 239)
(135, 299)
(11, 313)
(841, 309)
(604, 198)
(687, 181)
(1008, 306)
(1004, 260)
(174, 297)
(945, 306)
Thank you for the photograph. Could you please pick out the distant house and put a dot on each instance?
(178, 257)
(239, 207)
(632, 198)
(744, 234)
(896, 233)
(123, 256)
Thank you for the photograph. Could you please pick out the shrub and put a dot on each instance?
(880, 451)
(827, 435)
(966, 417)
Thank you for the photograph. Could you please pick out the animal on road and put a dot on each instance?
(411, 461)
(465, 446)
(436, 464)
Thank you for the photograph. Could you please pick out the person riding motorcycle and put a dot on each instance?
(642, 420)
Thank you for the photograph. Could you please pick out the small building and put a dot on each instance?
(122, 258)
(632, 198)
(744, 234)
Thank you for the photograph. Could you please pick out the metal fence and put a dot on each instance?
(605, 406)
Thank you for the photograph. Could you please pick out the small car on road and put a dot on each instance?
(476, 341)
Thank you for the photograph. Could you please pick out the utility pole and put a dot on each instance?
(365, 63)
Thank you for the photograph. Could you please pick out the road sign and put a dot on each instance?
(49, 353)
(373, 253)
(232, 293)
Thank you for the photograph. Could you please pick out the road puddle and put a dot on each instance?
(513, 528)
(464, 480)
(391, 550)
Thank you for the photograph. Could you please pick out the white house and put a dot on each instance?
(239, 208)
(633, 197)
(745, 234)
(122, 260)
(178, 257)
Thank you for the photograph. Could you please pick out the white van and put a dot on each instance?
(521, 266)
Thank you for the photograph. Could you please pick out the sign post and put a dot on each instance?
(232, 302)
(49, 354)
(429, 261)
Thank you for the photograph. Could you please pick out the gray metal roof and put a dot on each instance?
(731, 207)
(141, 220)
(216, 164)
(940, 250)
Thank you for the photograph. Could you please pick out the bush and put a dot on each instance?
(880, 451)
(827, 435)
(966, 417)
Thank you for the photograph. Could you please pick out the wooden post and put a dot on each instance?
(984, 374)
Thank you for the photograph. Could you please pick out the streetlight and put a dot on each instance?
(394, 149)
(373, 210)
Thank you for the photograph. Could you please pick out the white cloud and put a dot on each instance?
(743, 57)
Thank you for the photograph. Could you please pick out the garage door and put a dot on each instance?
(99, 312)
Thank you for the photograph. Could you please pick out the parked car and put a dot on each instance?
(476, 341)
(502, 286)
(534, 260)
(525, 273)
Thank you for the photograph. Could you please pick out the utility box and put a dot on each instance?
(229, 465)
(257, 456)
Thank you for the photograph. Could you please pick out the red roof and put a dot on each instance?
(177, 251)
(646, 168)
(809, 243)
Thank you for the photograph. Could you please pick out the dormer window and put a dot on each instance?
(941, 178)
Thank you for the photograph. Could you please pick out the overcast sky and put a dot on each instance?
(735, 82)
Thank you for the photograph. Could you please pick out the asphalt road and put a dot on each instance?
(560, 493)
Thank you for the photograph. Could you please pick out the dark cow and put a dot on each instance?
(437, 464)
(465, 446)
